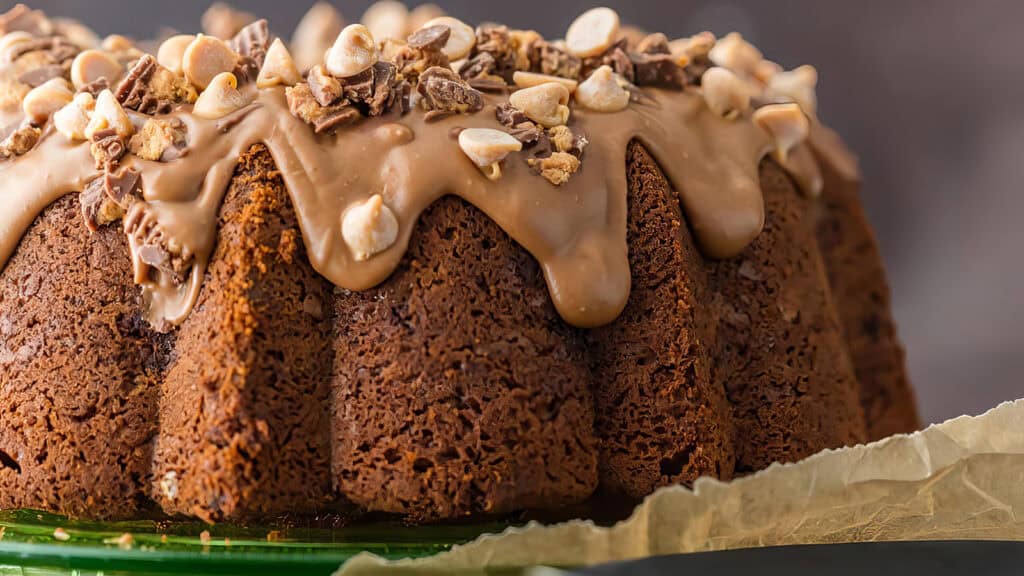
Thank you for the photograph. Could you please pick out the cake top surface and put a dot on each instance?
(370, 123)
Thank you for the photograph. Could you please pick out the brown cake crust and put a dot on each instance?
(781, 354)
(79, 372)
(861, 293)
(244, 406)
(661, 417)
(457, 387)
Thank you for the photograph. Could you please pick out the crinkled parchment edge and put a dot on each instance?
(962, 479)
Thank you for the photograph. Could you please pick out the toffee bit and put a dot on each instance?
(557, 168)
(615, 58)
(105, 199)
(654, 64)
(519, 125)
(20, 141)
(252, 43)
(443, 93)
(552, 60)
(161, 139)
(304, 106)
(107, 148)
(431, 38)
(150, 88)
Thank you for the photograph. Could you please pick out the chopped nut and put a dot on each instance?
(172, 52)
(91, 65)
(353, 52)
(205, 58)
(735, 53)
(724, 92)
(20, 141)
(222, 21)
(160, 139)
(220, 98)
(444, 93)
(602, 91)
(278, 68)
(487, 147)
(369, 227)
(462, 39)
(785, 123)
(546, 104)
(109, 114)
(315, 33)
(46, 99)
(592, 32)
(72, 119)
(530, 79)
(152, 89)
(557, 168)
(798, 84)
(386, 19)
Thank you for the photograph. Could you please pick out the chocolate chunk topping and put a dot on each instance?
(251, 43)
(58, 50)
(134, 92)
(654, 64)
(616, 58)
(123, 186)
(385, 80)
(496, 42)
(105, 199)
(96, 86)
(521, 127)
(304, 106)
(152, 245)
(444, 92)
(108, 147)
(547, 58)
(358, 88)
(431, 38)
(325, 88)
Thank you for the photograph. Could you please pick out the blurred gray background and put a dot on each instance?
(928, 94)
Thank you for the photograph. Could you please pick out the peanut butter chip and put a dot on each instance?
(386, 19)
(220, 98)
(799, 85)
(724, 92)
(592, 32)
(786, 123)
(462, 39)
(91, 65)
(72, 119)
(108, 114)
(546, 104)
(735, 53)
(172, 52)
(369, 228)
(46, 99)
(531, 79)
(278, 68)
(205, 58)
(603, 91)
(353, 52)
(487, 147)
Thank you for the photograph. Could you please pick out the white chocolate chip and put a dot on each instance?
(592, 32)
(91, 65)
(786, 123)
(205, 58)
(369, 228)
(354, 51)
(46, 99)
(172, 52)
(799, 85)
(487, 147)
(10, 40)
(314, 34)
(546, 104)
(386, 19)
(736, 54)
(109, 114)
(73, 119)
(220, 98)
(602, 91)
(278, 67)
(462, 39)
(724, 92)
(531, 79)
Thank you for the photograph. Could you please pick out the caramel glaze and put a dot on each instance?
(577, 231)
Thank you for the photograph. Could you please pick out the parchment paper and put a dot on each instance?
(963, 479)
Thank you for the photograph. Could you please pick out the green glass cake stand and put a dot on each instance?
(36, 543)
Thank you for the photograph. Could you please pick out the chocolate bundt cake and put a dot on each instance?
(421, 269)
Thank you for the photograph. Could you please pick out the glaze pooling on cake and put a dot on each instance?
(576, 231)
